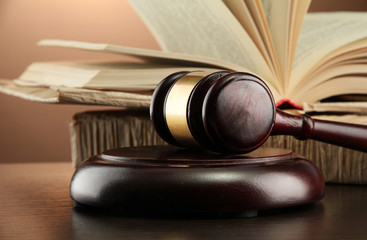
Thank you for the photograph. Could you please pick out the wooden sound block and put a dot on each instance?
(166, 179)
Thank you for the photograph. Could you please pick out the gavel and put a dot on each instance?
(235, 112)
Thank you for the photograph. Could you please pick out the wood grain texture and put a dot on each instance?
(303, 127)
(171, 180)
(236, 113)
(35, 204)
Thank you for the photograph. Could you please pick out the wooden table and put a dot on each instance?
(35, 204)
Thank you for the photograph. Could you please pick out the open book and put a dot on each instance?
(304, 58)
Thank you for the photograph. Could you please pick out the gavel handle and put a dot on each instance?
(304, 127)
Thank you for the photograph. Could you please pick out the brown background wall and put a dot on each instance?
(31, 131)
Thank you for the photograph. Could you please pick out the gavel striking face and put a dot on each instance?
(234, 113)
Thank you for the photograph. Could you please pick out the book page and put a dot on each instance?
(297, 19)
(108, 75)
(350, 59)
(251, 16)
(347, 118)
(284, 18)
(321, 34)
(39, 94)
(205, 28)
(67, 95)
(337, 107)
(352, 84)
(145, 54)
(331, 74)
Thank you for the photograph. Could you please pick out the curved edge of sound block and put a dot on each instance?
(168, 179)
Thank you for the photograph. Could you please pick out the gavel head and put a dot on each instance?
(221, 111)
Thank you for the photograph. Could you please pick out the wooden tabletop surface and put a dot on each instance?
(35, 204)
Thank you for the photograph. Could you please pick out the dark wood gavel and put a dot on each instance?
(235, 113)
